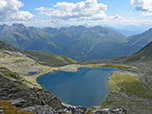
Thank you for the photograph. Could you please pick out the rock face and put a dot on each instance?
(45, 109)
(110, 111)
(4, 46)
(23, 96)
(13, 87)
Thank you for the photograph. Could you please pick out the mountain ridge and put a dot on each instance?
(76, 42)
(145, 54)
(136, 42)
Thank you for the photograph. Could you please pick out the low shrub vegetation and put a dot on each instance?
(8, 108)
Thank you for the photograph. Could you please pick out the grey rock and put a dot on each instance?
(1, 111)
(39, 109)
(18, 102)
(110, 111)
(23, 96)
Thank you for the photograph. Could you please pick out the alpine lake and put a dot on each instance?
(87, 87)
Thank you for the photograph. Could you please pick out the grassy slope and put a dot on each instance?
(144, 54)
(23, 66)
(119, 66)
(128, 92)
(50, 59)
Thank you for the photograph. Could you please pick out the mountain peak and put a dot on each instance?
(98, 27)
(4, 26)
(19, 25)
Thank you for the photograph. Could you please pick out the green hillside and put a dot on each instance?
(144, 54)
(50, 59)
(76, 42)
(137, 42)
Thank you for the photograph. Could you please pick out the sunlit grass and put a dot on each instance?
(119, 66)
(123, 89)
(128, 84)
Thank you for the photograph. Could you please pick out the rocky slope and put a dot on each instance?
(16, 70)
(23, 96)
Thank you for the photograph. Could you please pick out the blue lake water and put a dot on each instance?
(87, 87)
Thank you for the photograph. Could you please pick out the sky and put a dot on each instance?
(58, 13)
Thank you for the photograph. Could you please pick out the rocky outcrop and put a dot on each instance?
(1, 112)
(23, 96)
(110, 111)
(12, 83)
(45, 109)
(6, 48)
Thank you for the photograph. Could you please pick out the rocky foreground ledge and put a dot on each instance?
(72, 110)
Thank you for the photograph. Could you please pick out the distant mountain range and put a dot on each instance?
(144, 55)
(76, 42)
(127, 32)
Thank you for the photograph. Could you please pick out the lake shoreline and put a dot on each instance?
(68, 68)
(74, 68)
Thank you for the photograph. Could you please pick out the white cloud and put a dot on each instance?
(9, 10)
(147, 14)
(23, 15)
(89, 9)
(143, 5)
(110, 21)
(88, 12)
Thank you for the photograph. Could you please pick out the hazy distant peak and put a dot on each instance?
(4, 26)
(19, 25)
